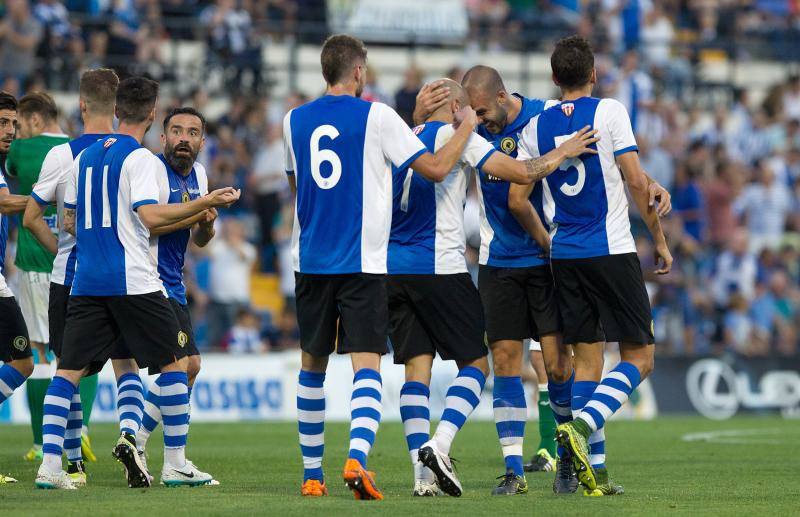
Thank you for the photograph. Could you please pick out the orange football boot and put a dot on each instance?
(314, 488)
(360, 481)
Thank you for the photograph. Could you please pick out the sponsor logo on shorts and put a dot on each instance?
(508, 144)
(20, 343)
(183, 338)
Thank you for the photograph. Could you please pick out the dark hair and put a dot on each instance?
(185, 110)
(572, 62)
(339, 54)
(98, 89)
(7, 101)
(136, 98)
(38, 102)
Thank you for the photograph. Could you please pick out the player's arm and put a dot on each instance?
(639, 188)
(431, 97)
(204, 231)
(534, 169)
(437, 166)
(154, 215)
(521, 208)
(189, 222)
(33, 221)
(11, 203)
(68, 224)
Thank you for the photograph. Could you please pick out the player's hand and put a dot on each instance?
(663, 258)
(466, 115)
(223, 197)
(210, 215)
(431, 97)
(659, 194)
(580, 142)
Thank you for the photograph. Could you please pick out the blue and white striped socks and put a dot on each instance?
(174, 405)
(560, 399)
(311, 422)
(416, 415)
(72, 435)
(463, 396)
(613, 391)
(57, 404)
(151, 416)
(10, 379)
(510, 414)
(582, 392)
(365, 413)
(130, 402)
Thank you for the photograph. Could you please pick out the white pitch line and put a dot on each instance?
(732, 436)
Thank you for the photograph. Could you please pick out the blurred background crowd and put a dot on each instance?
(729, 154)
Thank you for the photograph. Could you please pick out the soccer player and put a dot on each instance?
(97, 97)
(515, 281)
(599, 284)
(110, 204)
(339, 155)
(433, 305)
(39, 132)
(180, 179)
(15, 348)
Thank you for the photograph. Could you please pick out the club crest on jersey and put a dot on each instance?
(508, 144)
(417, 130)
(109, 142)
(20, 343)
(568, 108)
(185, 197)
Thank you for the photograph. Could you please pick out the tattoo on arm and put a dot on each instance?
(537, 168)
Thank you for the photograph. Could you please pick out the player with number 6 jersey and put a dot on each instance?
(339, 156)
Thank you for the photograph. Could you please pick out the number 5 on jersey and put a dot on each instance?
(318, 156)
(566, 165)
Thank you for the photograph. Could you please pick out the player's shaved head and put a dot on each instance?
(483, 79)
(488, 97)
(457, 92)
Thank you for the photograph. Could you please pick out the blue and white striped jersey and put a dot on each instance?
(504, 243)
(56, 170)
(584, 200)
(427, 234)
(169, 249)
(5, 292)
(341, 150)
(111, 179)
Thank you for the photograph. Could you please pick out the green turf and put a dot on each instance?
(259, 467)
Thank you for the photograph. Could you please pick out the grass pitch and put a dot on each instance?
(744, 466)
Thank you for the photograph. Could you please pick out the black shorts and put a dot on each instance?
(603, 299)
(14, 342)
(346, 313)
(435, 313)
(95, 325)
(187, 333)
(519, 303)
(57, 315)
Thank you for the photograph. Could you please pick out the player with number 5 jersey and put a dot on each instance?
(599, 284)
(339, 156)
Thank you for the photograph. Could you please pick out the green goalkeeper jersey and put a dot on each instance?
(25, 162)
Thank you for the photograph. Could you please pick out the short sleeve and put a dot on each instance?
(202, 178)
(142, 169)
(399, 144)
(11, 160)
(71, 188)
(163, 183)
(618, 125)
(3, 180)
(288, 152)
(528, 145)
(51, 175)
(476, 152)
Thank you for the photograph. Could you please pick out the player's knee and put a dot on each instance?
(507, 358)
(23, 366)
(482, 364)
(193, 367)
(646, 366)
(558, 369)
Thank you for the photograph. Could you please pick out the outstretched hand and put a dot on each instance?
(223, 197)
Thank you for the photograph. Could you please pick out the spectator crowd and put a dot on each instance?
(731, 162)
